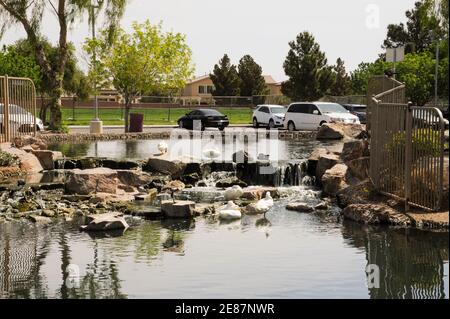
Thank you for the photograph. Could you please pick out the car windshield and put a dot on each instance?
(331, 108)
(279, 110)
(211, 113)
(359, 108)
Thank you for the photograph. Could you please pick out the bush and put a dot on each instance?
(7, 159)
(424, 143)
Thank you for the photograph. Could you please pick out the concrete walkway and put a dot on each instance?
(147, 128)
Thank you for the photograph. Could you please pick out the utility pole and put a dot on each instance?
(436, 74)
(96, 126)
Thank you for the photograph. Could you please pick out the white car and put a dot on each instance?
(310, 116)
(20, 120)
(268, 115)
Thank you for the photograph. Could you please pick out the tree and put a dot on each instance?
(29, 13)
(251, 80)
(360, 77)
(306, 67)
(13, 63)
(341, 81)
(147, 59)
(225, 78)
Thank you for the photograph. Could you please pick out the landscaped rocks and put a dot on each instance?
(29, 163)
(41, 220)
(355, 149)
(178, 209)
(96, 180)
(330, 131)
(360, 193)
(256, 193)
(105, 222)
(173, 186)
(325, 162)
(47, 158)
(150, 196)
(133, 177)
(375, 214)
(300, 207)
(334, 179)
(359, 167)
(164, 164)
(230, 181)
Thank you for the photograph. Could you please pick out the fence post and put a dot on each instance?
(6, 108)
(408, 155)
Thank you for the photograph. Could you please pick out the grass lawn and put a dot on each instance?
(152, 116)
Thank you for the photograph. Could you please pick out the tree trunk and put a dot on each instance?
(127, 114)
(43, 110)
(55, 112)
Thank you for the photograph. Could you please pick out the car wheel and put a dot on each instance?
(180, 124)
(291, 126)
(255, 123)
(322, 123)
(271, 124)
(221, 128)
(203, 127)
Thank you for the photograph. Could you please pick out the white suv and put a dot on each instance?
(268, 115)
(309, 116)
(20, 120)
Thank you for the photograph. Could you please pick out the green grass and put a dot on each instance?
(152, 116)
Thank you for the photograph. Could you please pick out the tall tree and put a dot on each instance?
(361, 75)
(225, 78)
(29, 13)
(15, 64)
(306, 67)
(145, 60)
(251, 78)
(341, 81)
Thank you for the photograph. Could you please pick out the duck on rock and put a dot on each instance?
(230, 211)
(233, 192)
(260, 207)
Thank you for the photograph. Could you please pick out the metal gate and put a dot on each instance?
(17, 108)
(407, 152)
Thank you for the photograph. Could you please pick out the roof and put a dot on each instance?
(267, 78)
(199, 78)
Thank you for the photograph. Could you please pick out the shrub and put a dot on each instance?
(7, 159)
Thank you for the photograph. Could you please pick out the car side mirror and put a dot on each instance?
(315, 112)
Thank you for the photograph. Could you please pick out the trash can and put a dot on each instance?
(136, 122)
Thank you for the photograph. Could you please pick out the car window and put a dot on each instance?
(312, 108)
(278, 110)
(359, 108)
(331, 108)
(264, 109)
(211, 112)
(294, 108)
(194, 113)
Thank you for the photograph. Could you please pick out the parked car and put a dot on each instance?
(359, 110)
(311, 115)
(427, 118)
(205, 118)
(20, 120)
(268, 115)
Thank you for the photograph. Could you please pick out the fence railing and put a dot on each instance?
(17, 107)
(407, 153)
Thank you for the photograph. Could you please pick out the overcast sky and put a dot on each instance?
(351, 29)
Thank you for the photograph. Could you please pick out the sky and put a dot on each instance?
(351, 29)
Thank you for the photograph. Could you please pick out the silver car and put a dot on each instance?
(20, 120)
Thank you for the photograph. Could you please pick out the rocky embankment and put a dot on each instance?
(343, 174)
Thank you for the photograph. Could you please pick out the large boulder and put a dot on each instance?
(105, 222)
(375, 214)
(355, 149)
(178, 209)
(47, 158)
(360, 193)
(300, 207)
(164, 164)
(88, 181)
(34, 142)
(29, 163)
(334, 179)
(133, 177)
(359, 167)
(330, 131)
(314, 159)
(326, 161)
(230, 181)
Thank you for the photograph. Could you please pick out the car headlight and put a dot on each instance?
(336, 119)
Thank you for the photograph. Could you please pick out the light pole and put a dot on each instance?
(96, 126)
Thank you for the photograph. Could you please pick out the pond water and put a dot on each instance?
(284, 255)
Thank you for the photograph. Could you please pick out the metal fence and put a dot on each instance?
(17, 108)
(407, 153)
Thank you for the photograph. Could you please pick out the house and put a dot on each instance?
(273, 86)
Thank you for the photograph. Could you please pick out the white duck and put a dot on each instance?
(260, 207)
(230, 211)
(163, 147)
(211, 153)
(233, 192)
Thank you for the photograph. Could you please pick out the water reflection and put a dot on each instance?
(34, 261)
(411, 262)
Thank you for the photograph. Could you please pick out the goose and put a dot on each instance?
(233, 192)
(163, 147)
(261, 206)
(230, 211)
(211, 153)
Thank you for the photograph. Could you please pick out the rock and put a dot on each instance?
(147, 197)
(257, 193)
(325, 162)
(178, 209)
(163, 164)
(34, 142)
(375, 214)
(359, 193)
(96, 180)
(41, 220)
(330, 131)
(321, 206)
(359, 167)
(119, 165)
(47, 158)
(334, 179)
(133, 177)
(162, 197)
(354, 149)
(104, 222)
(29, 163)
(300, 207)
(151, 213)
(190, 178)
(48, 213)
(127, 188)
(174, 186)
(241, 157)
(230, 181)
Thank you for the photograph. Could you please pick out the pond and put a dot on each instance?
(288, 255)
